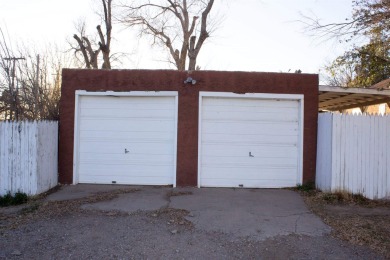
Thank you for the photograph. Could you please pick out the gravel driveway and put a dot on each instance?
(181, 224)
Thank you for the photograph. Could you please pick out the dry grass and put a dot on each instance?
(37, 208)
(354, 218)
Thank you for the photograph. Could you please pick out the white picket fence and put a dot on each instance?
(353, 154)
(28, 156)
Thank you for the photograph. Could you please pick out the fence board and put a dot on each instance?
(359, 157)
(324, 140)
(28, 156)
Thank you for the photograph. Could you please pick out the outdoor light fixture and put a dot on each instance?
(190, 80)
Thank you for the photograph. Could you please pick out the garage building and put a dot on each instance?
(155, 127)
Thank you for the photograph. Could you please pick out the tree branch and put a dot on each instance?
(83, 51)
(194, 51)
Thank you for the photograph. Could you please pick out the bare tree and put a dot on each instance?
(40, 83)
(368, 17)
(30, 87)
(105, 41)
(364, 64)
(84, 46)
(89, 51)
(173, 25)
(8, 88)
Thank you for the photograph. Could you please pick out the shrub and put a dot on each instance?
(6, 200)
(345, 197)
(306, 187)
(17, 199)
(20, 198)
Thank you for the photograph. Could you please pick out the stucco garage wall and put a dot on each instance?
(169, 80)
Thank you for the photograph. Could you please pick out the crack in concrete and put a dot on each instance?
(296, 223)
(167, 197)
(284, 216)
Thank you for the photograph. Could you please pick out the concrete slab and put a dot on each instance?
(79, 191)
(259, 213)
(146, 199)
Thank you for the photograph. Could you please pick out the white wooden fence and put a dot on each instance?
(353, 154)
(28, 156)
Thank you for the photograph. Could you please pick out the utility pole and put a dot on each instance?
(38, 109)
(14, 92)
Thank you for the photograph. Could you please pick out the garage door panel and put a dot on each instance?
(126, 135)
(238, 176)
(119, 148)
(139, 102)
(257, 138)
(249, 127)
(136, 172)
(121, 176)
(156, 113)
(125, 158)
(120, 179)
(140, 170)
(147, 179)
(249, 141)
(129, 140)
(237, 108)
(131, 156)
(242, 171)
(226, 183)
(286, 115)
(123, 102)
(247, 102)
(240, 150)
(266, 174)
(246, 161)
(113, 159)
(136, 125)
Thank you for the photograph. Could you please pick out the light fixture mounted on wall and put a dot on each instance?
(190, 80)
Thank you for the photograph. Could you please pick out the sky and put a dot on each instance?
(252, 35)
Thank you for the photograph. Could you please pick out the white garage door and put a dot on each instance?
(251, 141)
(126, 139)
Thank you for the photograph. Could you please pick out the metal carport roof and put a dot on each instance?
(338, 98)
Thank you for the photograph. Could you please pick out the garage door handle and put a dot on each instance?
(251, 155)
(127, 151)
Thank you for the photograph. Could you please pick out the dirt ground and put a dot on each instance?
(63, 230)
(354, 219)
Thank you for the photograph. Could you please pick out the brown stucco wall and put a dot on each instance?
(169, 80)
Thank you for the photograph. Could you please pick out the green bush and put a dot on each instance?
(20, 198)
(17, 199)
(306, 187)
(6, 200)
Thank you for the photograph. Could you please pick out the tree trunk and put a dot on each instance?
(83, 51)
(191, 54)
(105, 43)
(194, 49)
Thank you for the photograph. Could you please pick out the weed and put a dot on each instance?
(310, 186)
(330, 197)
(30, 209)
(20, 198)
(17, 199)
(6, 200)
(360, 199)
(345, 197)
(178, 193)
(351, 218)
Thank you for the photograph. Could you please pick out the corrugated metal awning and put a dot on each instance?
(338, 98)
